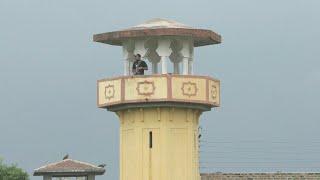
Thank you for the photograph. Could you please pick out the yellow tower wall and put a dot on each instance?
(166, 107)
(174, 151)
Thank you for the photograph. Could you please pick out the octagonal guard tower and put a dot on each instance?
(159, 112)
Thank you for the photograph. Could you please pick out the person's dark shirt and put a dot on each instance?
(138, 67)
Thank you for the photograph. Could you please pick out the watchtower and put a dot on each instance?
(159, 112)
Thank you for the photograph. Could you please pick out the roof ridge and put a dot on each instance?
(65, 160)
(50, 164)
(85, 163)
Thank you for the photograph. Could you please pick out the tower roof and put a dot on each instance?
(159, 23)
(159, 27)
(69, 167)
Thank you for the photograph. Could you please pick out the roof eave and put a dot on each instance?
(201, 37)
(68, 173)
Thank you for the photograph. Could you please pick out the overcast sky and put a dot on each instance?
(268, 65)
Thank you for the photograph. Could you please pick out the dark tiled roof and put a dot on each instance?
(70, 167)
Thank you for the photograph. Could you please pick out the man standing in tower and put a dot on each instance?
(139, 66)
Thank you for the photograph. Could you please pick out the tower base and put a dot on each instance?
(159, 143)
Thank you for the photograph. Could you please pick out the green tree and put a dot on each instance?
(12, 172)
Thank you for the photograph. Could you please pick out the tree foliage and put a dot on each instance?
(12, 172)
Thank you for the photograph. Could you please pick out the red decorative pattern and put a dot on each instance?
(189, 89)
(145, 88)
(109, 91)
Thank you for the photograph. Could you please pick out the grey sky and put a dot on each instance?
(268, 65)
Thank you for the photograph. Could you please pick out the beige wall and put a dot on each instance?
(174, 151)
(157, 88)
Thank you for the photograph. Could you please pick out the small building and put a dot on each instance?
(69, 168)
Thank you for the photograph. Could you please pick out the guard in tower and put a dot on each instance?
(159, 114)
(139, 66)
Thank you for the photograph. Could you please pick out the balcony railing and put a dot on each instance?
(167, 88)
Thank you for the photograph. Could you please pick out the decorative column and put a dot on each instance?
(164, 52)
(176, 59)
(154, 68)
(176, 56)
(128, 56)
(151, 46)
(190, 66)
(154, 59)
(164, 65)
(185, 64)
(186, 51)
(176, 68)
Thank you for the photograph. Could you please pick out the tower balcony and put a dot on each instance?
(166, 90)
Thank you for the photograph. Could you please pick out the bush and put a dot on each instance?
(12, 172)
